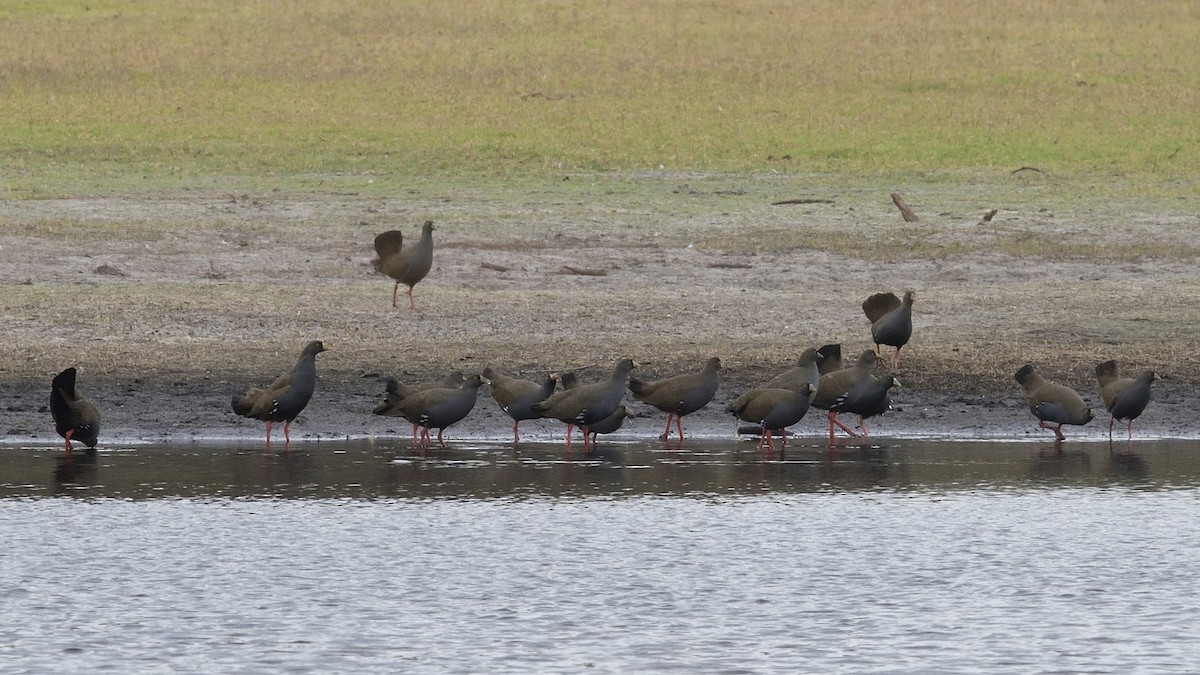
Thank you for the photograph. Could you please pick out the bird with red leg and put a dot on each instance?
(406, 266)
(868, 399)
(891, 321)
(1053, 404)
(587, 404)
(285, 398)
(835, 385)
(1124, 397)
(516, 396)
(437, 408)
(75, 416)
(773, 408)
(679, 395)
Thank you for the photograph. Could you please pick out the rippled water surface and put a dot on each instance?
(906, 557)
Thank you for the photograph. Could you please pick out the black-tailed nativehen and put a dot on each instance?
(1053, 404)
(285, 398)
(407, 266)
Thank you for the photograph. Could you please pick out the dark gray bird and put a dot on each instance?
(1053, 404)
(611, 423)
(407, 266)
(806, 371)
(774, 408)
(75, 416)
(284, 398)
(838, 383)
(516, 396)
(395, 391)
(679, 395)
(436, 408)
(868, 399)
(891, 320)
(587, 404)
(1124, 397)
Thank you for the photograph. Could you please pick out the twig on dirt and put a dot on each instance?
(730, 265)
(212, 272)
(910, 216)
(1025, 168)
(583, 271)
(804, 200)
(494, 267)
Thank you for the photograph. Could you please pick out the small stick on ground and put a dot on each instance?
(494, 267)
(583, 271)
(910, 216)
(987, 217)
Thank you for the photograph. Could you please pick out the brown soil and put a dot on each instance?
(170, 304)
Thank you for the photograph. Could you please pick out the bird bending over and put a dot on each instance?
(406, 265)
(285, 398)
(75, 417)
(1053, 404)
(1124, 397)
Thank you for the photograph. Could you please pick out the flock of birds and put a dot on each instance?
(819, 379)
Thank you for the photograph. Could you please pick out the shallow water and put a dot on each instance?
(907, 557)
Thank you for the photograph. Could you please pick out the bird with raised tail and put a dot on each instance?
(679, 395)
(891, 320)
(1124, 397)
(1053, 404)
(285, 398)
(407, 266)
(75, 416)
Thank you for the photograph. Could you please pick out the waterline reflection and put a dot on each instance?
(392, 469)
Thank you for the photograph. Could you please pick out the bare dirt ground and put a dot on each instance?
(172, 303)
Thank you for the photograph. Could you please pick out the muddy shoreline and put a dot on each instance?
(170, 304)
(183, 410)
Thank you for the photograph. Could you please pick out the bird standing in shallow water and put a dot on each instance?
(587, 404)
(1124, 397)
(436, 408)
(679, 395)
(516, 396)
(1053, 404)
(838, 383)
(286, 397)
(774, 408)
(611, 423)
(406, 265)
(891, 320)
(868, 399)
(75, 417)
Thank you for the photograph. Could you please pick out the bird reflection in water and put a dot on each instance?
(77, 468)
